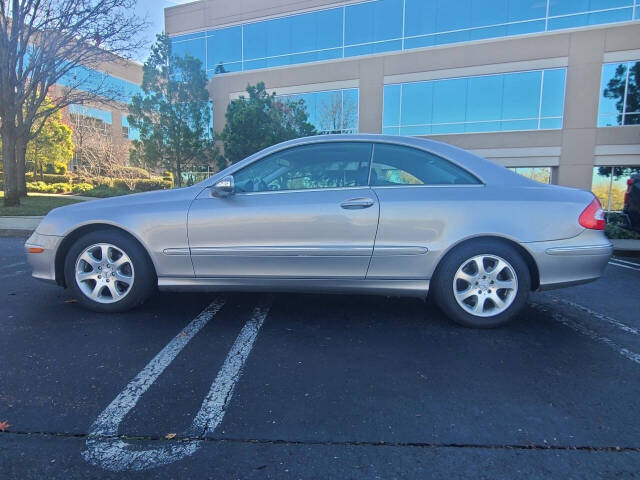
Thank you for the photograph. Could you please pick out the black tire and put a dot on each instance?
(144, 281)
(442, 286)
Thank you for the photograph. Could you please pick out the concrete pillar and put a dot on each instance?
(581, 109)
(371, 95)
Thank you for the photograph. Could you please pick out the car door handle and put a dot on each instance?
(356, 203)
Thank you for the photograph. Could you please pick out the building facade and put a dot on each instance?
(550, 88)
(103, 122)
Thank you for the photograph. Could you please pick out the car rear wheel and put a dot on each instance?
(108, 271)
(482, 284)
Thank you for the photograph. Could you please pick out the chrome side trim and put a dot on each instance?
(391, 251)
(409, 288)
(343, 251)
(176, 251)
(581, 250)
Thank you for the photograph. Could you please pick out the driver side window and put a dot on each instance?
(322, 165)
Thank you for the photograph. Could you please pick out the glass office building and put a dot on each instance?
(387, 26)
(548, 88)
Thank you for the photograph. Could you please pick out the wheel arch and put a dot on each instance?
(75, 234)
(534, 272)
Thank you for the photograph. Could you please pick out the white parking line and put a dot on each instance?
(616, 323)
(105, 449)
(215, 403)
(578, 327)
(619, 260)
(624, 266)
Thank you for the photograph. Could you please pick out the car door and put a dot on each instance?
(424, 200)
(304, 212)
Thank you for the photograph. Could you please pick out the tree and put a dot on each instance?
(96, 152)
(52, 148)
(261, 120)
(338, 114)
(173, 113)
(618, 86)
(618, 172)
(44, 43)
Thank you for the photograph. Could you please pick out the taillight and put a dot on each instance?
(593, 216)
(630, 183)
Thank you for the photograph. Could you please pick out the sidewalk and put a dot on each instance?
(62, 195)
(626, 245)
(18, 226)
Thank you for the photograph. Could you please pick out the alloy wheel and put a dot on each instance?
(485, 285)
(104, 273)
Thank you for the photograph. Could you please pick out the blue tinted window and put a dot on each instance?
(565, 7)
(485, 96)
(553, 93)
(91, 112)
(509, 101)
(195, 48)
(416, 113)
(449, 100)
(370, 48)
(620, 94)
(391, 114)
(521, 95)
(331, 111)
(373, 21)
(128, 131)
(596, 18)
(224, 46)
(104, 85)
(299, 33)
(379, 26)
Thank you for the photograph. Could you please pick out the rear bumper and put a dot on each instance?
(573, 261)
(43, 264)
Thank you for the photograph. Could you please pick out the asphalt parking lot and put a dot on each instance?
(318, 386)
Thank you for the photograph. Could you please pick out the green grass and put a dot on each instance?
(34, 204)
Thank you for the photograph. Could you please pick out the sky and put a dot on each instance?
(153, 10)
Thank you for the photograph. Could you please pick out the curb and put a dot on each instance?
(14, 232)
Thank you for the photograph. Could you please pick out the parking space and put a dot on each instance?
(318, 386)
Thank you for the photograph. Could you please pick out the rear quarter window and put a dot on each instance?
(397, 165)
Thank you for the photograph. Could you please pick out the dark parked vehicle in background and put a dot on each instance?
(632, 202)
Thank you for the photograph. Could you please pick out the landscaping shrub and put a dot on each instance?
(105, 191)
(121, 184)
(168, 176)
(81, 188)
(56, 169)
(42, 187)
(103, 182)
(60, 188)
(38, 187)
(155, 183)
(131, 172)
(49, 178)
(616, 223)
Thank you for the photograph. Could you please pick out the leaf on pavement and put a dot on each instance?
(4, 425)
(169, 436)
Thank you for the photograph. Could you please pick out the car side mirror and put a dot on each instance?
(223, 188)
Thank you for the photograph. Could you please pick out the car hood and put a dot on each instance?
(110, 210)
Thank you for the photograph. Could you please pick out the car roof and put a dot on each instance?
(487, 171)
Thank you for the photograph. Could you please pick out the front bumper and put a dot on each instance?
(43, 263)
(572, 261)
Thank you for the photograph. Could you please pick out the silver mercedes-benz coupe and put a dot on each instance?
(340, 214)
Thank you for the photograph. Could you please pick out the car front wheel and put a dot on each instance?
(109, 272)
(482, 284)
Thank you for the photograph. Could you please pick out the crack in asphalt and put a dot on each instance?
(347, 443)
